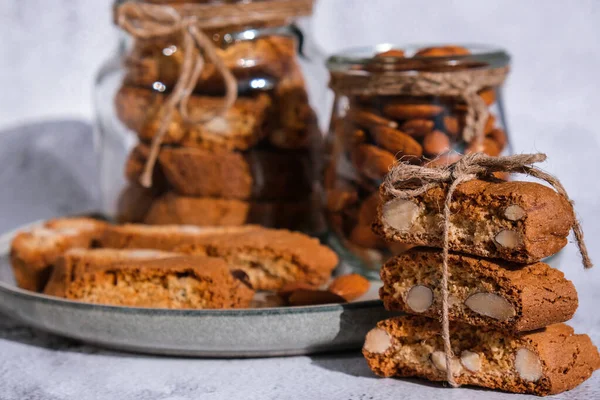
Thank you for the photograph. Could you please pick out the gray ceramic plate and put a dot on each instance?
(207, 333)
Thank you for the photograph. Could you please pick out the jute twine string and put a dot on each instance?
(147, 21)
(406, 181)
(463, 84)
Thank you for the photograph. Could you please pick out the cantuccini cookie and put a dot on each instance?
(177, 282)
(482, 292)
(371, 161)
(199, 172)
(294, 122)
(33, 253)
(134, 168)
(77, 261)
(134, 202)
(516, 221)
(160, 60)
(258, 173)
(164, 237)
(270, 257)
(543, 362)
(240, 127)
(172, 209)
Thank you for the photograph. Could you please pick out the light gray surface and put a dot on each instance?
(46, 68)
(48, 175)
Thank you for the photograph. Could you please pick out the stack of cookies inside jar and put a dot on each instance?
(422, 105)
(252, 162)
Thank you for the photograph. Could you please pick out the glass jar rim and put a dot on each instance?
(484, 56)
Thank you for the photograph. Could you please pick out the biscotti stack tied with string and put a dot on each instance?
(484, 310)
(229, 146)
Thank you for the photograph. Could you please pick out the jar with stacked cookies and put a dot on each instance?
(427, 105)
(204, 117)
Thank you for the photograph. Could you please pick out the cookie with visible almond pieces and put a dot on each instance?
(482, 292)
(516, 221)
(209, 211)
(547, 361)
(238, 128)
(33, 253)
(160, 59)
(270, 257)
(255, 174)
(77, 261)
(180, 282)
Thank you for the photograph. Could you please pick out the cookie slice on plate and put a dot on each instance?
(270, 257)
(34, 252)
(194, 282)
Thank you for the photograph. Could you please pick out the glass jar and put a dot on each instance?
(425, 105)
(255, 162)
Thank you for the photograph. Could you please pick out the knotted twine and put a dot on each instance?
(462, 84)
(406, 181)
(147, 21)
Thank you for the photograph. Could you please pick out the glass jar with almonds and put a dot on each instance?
(425, 105)
(205, 118)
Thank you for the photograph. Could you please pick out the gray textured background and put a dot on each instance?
(49, 53)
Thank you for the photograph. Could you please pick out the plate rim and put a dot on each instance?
(6, 239)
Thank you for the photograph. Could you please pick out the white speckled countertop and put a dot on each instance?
(47, 169)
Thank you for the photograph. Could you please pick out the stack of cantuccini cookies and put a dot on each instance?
(506, 308)
(249, 163)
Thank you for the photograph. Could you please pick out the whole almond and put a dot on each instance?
(490, 123)
(487, 146)
(397, 142)
(358, 137)
(401, 110)
(505, 176)
(417, 128)
(499, 136)
(338, 199)
(368, 118)
(443, 160)
(350, 135)
(287, 289)
(368, 209)
(364, 236)
(442, 51)
(372, 162)
(350, 286)
(436, 143)
(453, 125)
(307, 297)
(391, 53)
(488, 96)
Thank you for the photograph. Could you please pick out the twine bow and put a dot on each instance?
(147, 21)
(407, 181)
